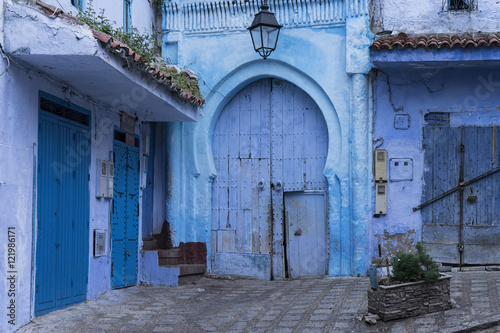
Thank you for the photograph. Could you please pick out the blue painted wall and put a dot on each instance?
(329, 61)
(470, 93)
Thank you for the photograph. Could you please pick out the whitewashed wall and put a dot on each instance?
(142, 17)
(428, 17)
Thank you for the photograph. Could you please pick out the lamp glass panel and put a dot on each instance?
(256, 38)
(269, 37)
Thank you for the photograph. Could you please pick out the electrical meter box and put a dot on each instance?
(380, 198)
(99, 243)
(380, 161)
(111, 178)
(104, 179)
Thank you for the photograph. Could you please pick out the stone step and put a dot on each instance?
(149, 244)
(168, 261)
(189, 279)
(187, 269)
(170, 253)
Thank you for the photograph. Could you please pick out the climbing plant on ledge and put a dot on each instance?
(143, 44)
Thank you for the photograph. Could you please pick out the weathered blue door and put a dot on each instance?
(305, 217)
(124, 215)
(270, 139)
(62, 208)
(463, 226)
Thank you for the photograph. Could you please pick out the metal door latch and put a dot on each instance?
(297, 232)
(279, 185)
(127, 253)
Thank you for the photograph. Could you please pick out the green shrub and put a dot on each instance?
(144, 44)
(409, 267)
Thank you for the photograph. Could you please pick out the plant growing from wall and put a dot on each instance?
(410, 267)
(143, 44)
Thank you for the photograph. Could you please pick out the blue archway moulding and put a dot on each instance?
(336, 169)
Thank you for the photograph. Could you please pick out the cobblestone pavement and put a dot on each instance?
(308, 305)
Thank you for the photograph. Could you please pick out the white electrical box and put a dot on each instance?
(99, 243)
(104, 179)
(102, 172)
(111, 177)
(380, 198)
(380, 162)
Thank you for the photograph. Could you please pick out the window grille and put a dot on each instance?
(63, 111)
(437, 118)
(459, 5)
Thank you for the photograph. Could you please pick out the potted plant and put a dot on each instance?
(416, 287)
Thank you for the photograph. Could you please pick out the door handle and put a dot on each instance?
(127, 253)
(297, 232)
(260, 184)
(278, 185)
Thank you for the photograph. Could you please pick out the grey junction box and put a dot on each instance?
(401, 169)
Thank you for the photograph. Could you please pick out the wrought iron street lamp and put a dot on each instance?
(264, 30)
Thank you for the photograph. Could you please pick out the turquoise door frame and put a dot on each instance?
(62, 243)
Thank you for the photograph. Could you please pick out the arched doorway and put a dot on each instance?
(269, 200)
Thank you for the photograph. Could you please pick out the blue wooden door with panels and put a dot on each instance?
(271, 139)
(62, 249)
(305, 216)
(463, 226)
(125, 216)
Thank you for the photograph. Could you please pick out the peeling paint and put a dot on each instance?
(391, 244)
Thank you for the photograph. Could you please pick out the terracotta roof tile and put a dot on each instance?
(126, 52)
(403, 41)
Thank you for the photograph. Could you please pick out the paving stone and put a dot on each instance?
(312, 305)
(131, 329)
(282, 330)
(287, 323)
(398, 328)
(315, 324)
(163, 329)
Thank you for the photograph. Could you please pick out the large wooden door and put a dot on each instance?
(461, 217)
(63, 207)
(270, 139)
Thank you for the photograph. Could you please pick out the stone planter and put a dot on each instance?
(410, 299)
